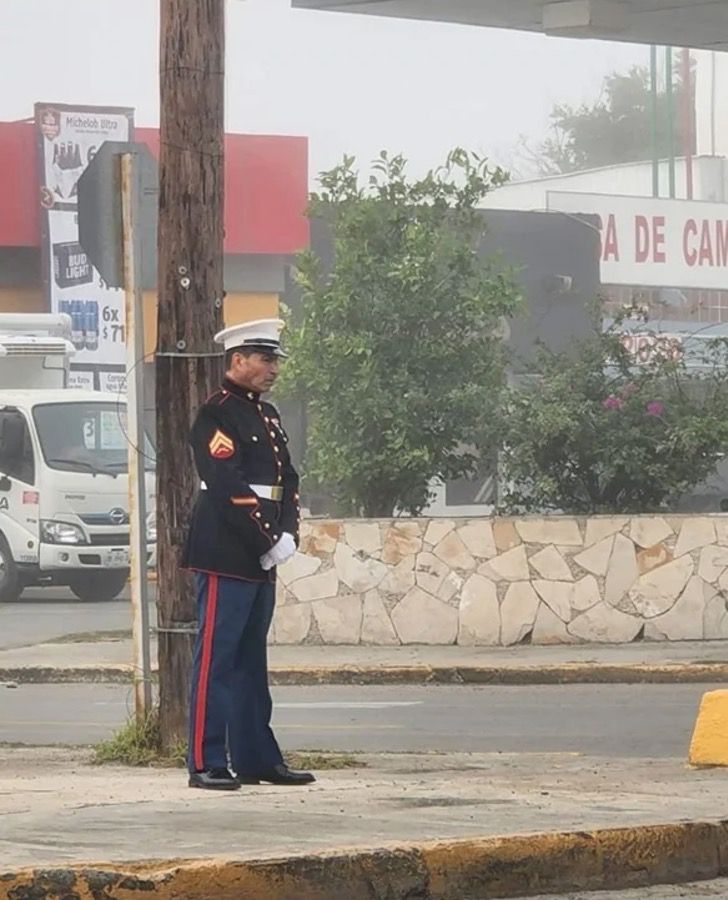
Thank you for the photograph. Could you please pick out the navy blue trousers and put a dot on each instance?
(230, 703)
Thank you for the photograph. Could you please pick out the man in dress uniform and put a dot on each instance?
(245, 523)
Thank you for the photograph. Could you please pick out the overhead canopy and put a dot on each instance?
(680, 23)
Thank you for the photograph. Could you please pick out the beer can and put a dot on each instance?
(77, 323)
(91, 325)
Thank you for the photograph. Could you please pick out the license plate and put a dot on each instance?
(117, 559)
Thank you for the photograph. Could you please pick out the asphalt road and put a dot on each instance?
(605, 720)
(46, 614)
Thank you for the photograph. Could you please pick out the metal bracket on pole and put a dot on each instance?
(131, 201)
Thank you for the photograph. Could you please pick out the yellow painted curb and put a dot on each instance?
(565, 673)
(475, 869)
(709, 744)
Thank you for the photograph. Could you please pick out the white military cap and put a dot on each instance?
(263, 334)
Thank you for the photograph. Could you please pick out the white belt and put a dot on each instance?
(265, 491)
(268, 491)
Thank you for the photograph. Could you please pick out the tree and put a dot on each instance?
(597, 432)
(617, 128)
(191, 198)
(397, 352)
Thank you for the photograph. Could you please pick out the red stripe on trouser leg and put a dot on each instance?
(204, 679)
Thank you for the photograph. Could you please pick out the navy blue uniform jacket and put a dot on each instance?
(238, 440)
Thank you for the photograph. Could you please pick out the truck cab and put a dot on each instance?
(63, 469)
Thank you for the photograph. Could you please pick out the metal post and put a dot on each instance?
(712, 101)
(653, 123)
(130, 202)
(670, 119)
(688, 109)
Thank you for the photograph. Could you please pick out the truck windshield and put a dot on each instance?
(86, 437)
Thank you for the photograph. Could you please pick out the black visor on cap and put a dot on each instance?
(262, 347)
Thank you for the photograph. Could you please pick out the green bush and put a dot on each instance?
(595, 431)
(396, 352)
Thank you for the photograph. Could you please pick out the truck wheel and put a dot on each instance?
(98, 587)
(10, 586)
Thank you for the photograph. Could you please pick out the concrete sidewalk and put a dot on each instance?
(505, 824)
(684, 661)
(57, 811)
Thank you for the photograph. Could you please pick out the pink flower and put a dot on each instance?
(612, 402)
(629, 390)
(655, 408)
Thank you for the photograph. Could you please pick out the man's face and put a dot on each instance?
(49, 125)
(256, 371)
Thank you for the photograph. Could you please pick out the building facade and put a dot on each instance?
(266, 193)
(668, 257)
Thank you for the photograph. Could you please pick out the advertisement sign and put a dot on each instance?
(692, 348)
(82, 380)
(646, 347)
(655, 242)
(113, 382)
(68, 137)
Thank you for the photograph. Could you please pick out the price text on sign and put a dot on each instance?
(113, 329)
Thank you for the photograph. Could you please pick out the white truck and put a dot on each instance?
(63, 469)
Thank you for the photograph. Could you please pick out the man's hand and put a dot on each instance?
(282, 552)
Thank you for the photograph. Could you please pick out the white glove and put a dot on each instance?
(280, 553)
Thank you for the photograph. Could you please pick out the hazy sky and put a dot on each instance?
(350, 83)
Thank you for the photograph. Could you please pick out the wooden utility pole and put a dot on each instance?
(191, 198)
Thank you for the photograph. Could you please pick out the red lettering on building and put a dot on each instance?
(658, 239)
(690, 232)
(611, 242)
(721, 243)
(641, 239)
(649, 239)
(706, 246)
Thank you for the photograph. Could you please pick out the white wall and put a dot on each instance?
(710, 183)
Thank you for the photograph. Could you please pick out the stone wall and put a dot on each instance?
(504, 581)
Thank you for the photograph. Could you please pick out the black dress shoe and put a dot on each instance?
(214, 780)
(279, 774)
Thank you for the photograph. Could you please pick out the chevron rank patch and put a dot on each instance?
(221, 446)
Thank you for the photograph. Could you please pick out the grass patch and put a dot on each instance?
(141, 745)
(322, 761)
(90, 637)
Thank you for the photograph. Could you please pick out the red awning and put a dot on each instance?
(266, 190)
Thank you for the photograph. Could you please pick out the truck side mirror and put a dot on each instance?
(5, 483)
